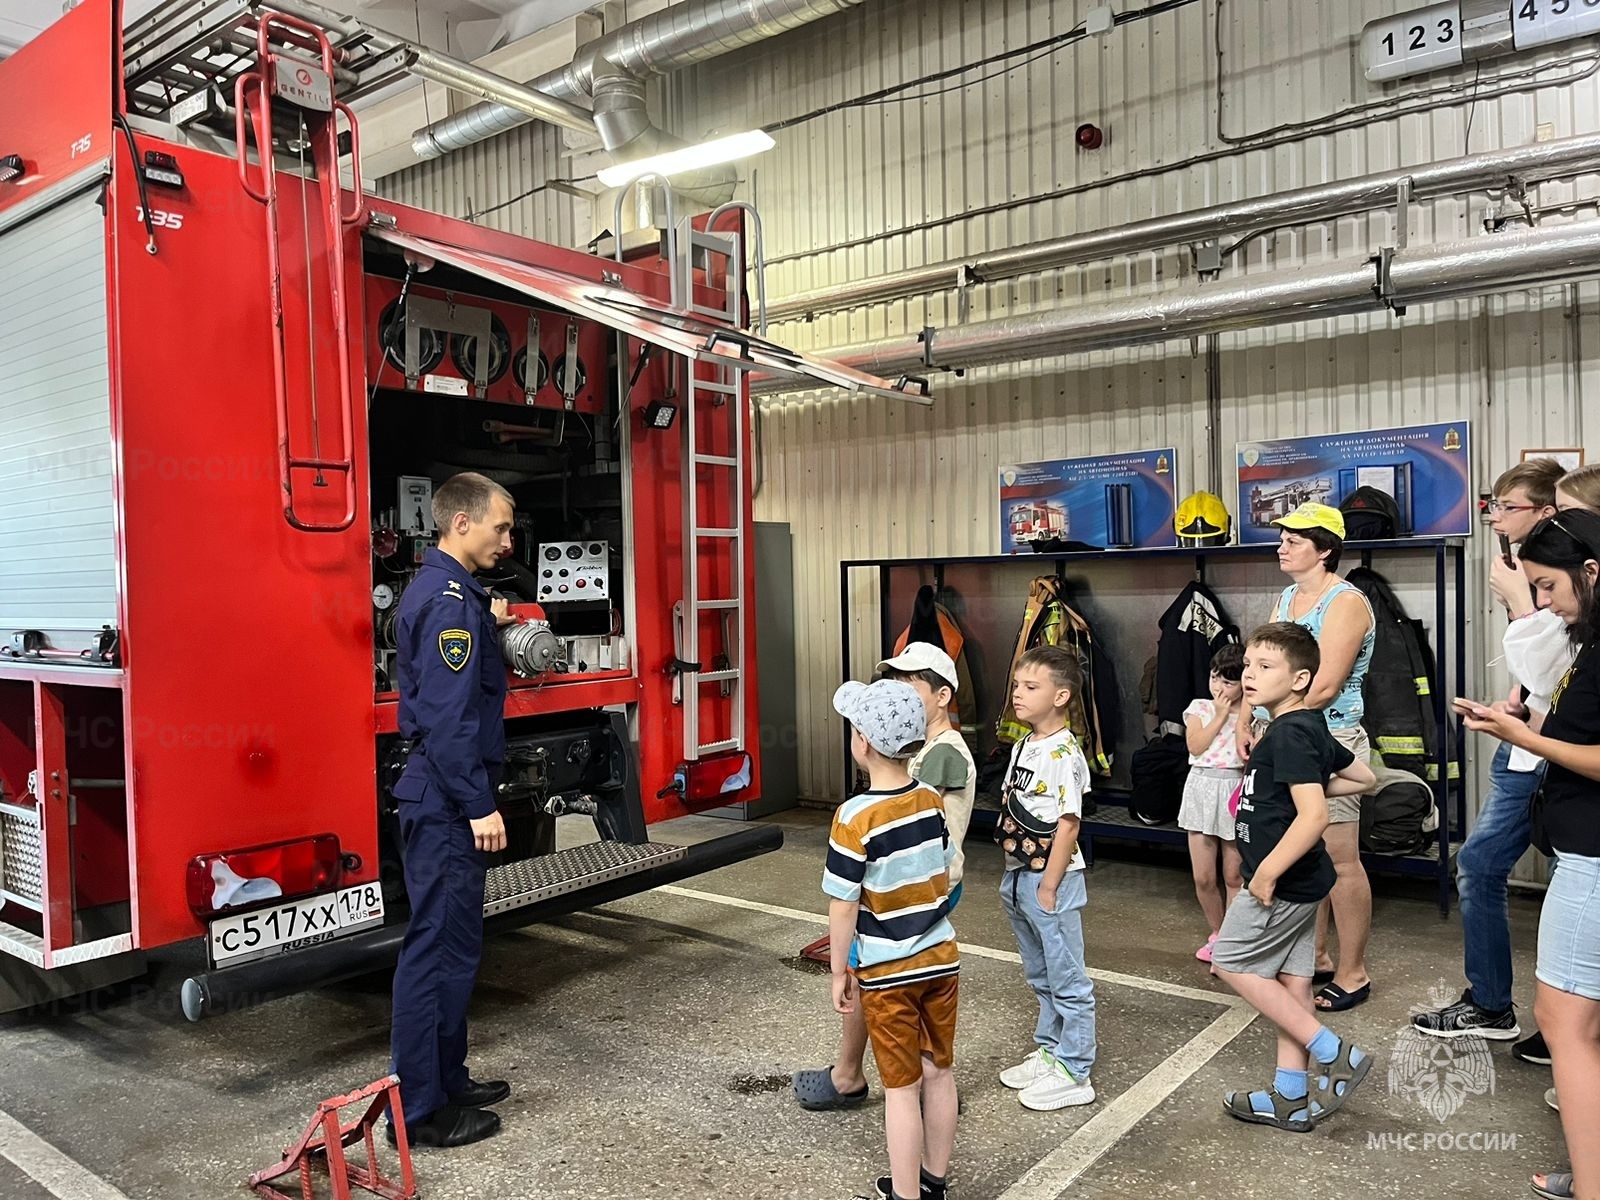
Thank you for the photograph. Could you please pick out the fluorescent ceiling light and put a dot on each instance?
(689, 158)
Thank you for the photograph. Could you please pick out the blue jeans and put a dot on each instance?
(1052, 958)
(1498, 839)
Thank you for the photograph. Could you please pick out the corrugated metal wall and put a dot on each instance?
(867, 190)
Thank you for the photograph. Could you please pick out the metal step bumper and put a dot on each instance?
(534, 880)
(515, 895)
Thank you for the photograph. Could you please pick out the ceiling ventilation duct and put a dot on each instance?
(1419, 275)
(676, 37)
(628, 134)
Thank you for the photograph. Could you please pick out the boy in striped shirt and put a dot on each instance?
(887, 875)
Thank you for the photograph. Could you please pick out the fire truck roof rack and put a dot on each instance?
(180, 61)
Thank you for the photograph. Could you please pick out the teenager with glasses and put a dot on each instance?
(1561, 559)
(1537, 653)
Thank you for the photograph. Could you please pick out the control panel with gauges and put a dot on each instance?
(571, 571)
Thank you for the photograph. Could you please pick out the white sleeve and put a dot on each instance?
(1538, 653)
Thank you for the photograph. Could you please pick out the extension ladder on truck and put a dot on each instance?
(715, 530)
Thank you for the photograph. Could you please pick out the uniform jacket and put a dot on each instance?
(452, 687)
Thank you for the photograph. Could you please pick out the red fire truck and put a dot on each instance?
(228, 385)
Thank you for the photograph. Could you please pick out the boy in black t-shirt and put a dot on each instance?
(1266, 949)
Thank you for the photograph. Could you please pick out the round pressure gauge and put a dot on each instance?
(382, 596)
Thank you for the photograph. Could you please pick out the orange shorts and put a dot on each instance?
(909, 1021)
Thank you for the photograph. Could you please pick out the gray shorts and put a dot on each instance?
(1280, 940)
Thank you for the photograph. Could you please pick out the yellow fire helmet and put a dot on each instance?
(1202, 520)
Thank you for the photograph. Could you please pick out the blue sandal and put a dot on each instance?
(1297, 1116)
(1556, 1186)
(1333, 1082)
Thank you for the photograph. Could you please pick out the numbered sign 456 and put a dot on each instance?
(1540, 22)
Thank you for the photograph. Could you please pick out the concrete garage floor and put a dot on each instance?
(650, 1044)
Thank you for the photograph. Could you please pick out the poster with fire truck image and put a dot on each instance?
(1424, 468)
(1118, 501)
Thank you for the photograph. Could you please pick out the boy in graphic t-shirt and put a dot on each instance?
(1266, 949)
(1043, 890)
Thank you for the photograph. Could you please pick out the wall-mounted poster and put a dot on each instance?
(1425, 468)
(1111, 500)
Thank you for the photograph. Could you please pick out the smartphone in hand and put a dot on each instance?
(1505, 550)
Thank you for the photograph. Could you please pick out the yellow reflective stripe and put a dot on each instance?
(1401, 745)
(1423, 687)
(1433, 773)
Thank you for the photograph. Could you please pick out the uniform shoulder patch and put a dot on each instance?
(455, 647)
(453, 595)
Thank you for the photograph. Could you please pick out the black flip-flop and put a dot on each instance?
(1339, 1000)
(1318, 978)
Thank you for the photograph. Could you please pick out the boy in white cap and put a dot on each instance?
(945, 764)
(889, 852)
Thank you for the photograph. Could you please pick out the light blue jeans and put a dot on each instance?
(1052, 958)
(1499, 837)
(1569, 928)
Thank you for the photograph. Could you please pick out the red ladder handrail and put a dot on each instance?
(325, 150)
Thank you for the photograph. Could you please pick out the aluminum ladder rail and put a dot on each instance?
(720, 389)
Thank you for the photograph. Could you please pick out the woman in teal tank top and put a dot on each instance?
(1346, 708)
(1311, 540)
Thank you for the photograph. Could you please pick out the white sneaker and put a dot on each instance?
(1025, 1072)
(1056, 1088)
(1551, 1100)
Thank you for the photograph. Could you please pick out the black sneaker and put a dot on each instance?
(884, 1190)
(1465, 1019)
(1532, 1050)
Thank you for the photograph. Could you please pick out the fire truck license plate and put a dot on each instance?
(295, 925)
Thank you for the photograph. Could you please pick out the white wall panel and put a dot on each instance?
(954, 172)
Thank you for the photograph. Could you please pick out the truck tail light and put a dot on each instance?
(283, 870)
(715, 779)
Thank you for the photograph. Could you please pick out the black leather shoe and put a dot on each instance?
(449, 1126)
(481, 1095)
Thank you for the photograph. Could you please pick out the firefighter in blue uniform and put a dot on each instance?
(452, 696)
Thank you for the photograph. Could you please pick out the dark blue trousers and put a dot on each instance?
(439, 961)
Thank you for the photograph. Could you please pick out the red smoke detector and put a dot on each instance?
(1089, 137)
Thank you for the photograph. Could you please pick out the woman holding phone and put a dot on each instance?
(1561, 559)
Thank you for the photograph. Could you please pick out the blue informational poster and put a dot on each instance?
(1425, 468)
(1112, 500)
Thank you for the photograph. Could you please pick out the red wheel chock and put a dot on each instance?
(326, 1138)
(817, 951)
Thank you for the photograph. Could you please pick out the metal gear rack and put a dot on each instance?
(181, 59)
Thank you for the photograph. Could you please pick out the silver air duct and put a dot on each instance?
(1423, 274)
(1323, 202)
(427, 64)
(628, 134)
(674, 38)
